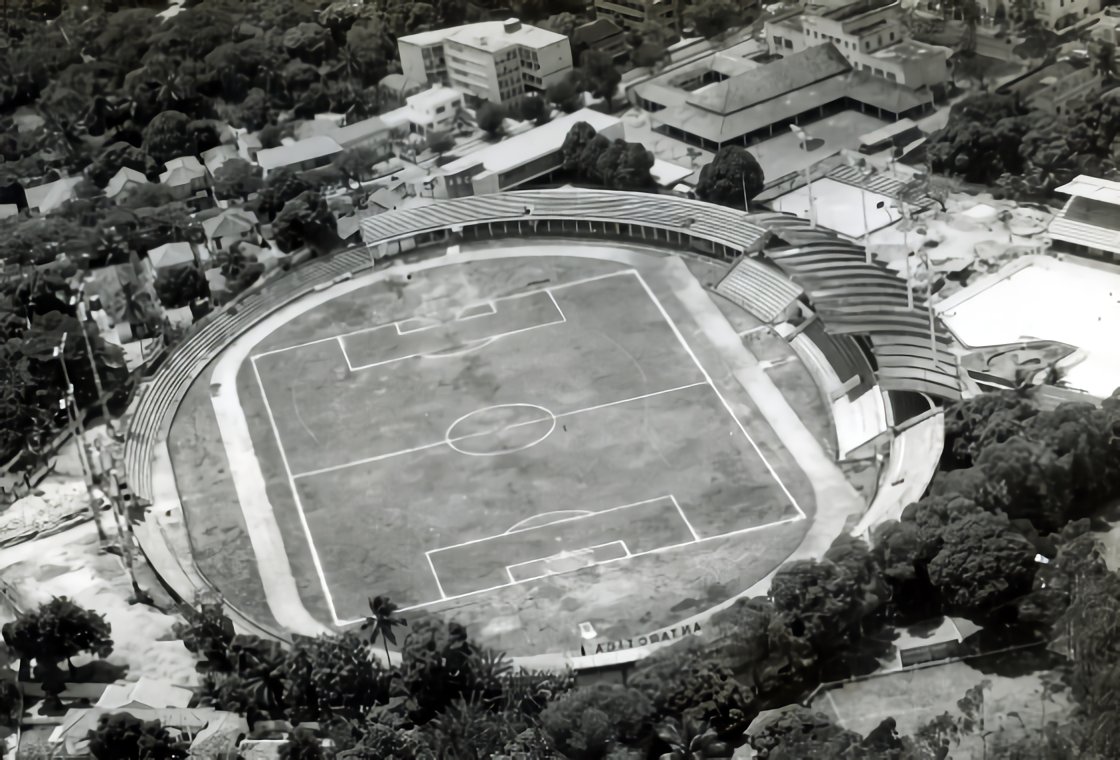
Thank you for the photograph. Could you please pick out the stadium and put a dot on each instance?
(577, 422)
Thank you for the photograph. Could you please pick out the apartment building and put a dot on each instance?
(870, 34)
(495, 61)
(632, 15)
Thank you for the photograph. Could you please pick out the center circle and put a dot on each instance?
(500, 429)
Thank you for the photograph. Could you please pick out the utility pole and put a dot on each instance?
(75, 415)
(84, 304)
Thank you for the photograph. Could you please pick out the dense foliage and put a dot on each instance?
(596, 160)
(996, 140)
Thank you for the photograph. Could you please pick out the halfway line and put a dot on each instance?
(534, 421)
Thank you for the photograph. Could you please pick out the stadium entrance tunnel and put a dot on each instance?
(501, 429)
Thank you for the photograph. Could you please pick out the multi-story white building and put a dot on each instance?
(495, 61)
(870, 35)
(632, 15)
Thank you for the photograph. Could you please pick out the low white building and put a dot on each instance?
(519, 159)
(300, 155)
(1089, 223)
(434, 110)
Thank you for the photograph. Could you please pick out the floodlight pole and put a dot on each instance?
(92, 361)
(75, 415)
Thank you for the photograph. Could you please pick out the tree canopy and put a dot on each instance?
(732, 178)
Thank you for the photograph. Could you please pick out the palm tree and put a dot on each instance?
(382, 622)
(692, 741)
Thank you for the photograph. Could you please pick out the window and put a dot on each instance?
(788, 44)
(892, 36)
(891, 76)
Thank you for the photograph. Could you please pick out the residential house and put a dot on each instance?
(495, 61)
(214, 158)
(601, 35)
(70, 739)
(300, 155)
(43, 199)
(871, 36)
(1057, 87)
(434, 110)
(518, 159)
(125, 180)
(231, 226)
(248, 145)
(171, 256)
(146, 693)
(184, 177)
(1089, 223)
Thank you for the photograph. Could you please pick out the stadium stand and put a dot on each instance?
(760, 289)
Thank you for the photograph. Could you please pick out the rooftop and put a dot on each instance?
(297, 152)
(487, 35)
(910, 50)
(119, 180)
(595, 31)
(1094, 188)
(771, 81)
(53, 194)
(433, 98)
(525, 147)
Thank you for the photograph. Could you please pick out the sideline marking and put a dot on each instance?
(295, 495)
(719, 395)
(426, 446)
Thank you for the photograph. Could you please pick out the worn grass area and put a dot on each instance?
(214, 519)
(914, 698)
(394, 449)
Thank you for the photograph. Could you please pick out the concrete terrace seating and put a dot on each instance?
(758, 288)
(844, 356)
(876, 183)
(159, 398)
(715, 223)
(856, 298)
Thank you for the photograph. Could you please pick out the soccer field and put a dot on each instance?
(490, 440)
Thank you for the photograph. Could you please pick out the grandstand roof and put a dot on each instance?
(716, 223)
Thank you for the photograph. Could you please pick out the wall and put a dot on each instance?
(412, 62)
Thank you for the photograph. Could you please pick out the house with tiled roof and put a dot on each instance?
(184, 176)
(214, 158)
(169, 256)
(601, 35)
(124, 180)
(231, 226)
(43, 199)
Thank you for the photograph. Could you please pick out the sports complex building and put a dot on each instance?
(578, 422)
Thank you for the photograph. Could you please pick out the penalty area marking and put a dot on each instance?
(548, 290)
(659, 550)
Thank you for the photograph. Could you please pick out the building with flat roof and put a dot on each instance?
(495, 61)
(1089, 223)
(871, 36)
(519, 159)
(1056, 87)
(300, 155)
(632, 15)
(722, 100)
